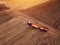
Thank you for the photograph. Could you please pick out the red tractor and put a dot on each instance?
(37, 27)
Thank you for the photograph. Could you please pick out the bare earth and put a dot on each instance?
(48, 13)
(17, 32)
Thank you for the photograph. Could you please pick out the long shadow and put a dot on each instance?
(3, 7)
(4, 15)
